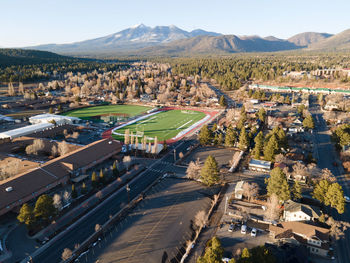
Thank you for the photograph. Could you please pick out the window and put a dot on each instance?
(316, 249)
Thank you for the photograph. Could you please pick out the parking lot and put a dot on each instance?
(157, 229)
(233, 239)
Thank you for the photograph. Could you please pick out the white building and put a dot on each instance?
(239, 190)
(12, 134)
(48, 118)
(294, 211)
(259, 165)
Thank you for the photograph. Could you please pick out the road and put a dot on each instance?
(86, 226)
(326, 156)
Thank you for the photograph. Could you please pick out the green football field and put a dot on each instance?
(165, 125)
(87, 113)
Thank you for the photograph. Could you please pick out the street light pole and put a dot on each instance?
(128, 191)
(174, 155)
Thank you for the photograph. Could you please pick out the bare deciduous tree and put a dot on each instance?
(54, 151)
(181, 155)
(63, 148)
(250, 190)
(97, 227)
(127, 161)
(200, 218)
(10, 169)
(272, 209)
(66, 254)
(66, 197)
(57, 201)
(37, 146)
(338, 228)
(11, 89)
(193, 170)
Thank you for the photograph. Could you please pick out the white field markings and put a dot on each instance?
(180, 125)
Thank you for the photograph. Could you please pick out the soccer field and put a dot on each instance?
(88, 113)
(165, 125)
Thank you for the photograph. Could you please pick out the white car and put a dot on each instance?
(244, 229)
(231, 228)
(347, 199)
(253, 233)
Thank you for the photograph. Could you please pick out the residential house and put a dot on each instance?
(314, 238)
(294, 211)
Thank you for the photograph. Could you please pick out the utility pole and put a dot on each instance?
(128, 191)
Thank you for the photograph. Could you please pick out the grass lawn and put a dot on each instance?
(165, 125)
(87, 113)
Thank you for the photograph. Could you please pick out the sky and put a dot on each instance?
(33, 22)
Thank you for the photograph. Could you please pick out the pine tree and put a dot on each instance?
(278, 184)
(44, 207)
(83, 188)
(245, 256)
(101, 177)
(26, 215)
(214, 128)
(213, 252)
(261, 114)
(230, 137)
(74, 193)
(335, 197)
(222, 101)
(205, 135)
(115, 170)
(309, 122)
(243, 140)
(271, 148)
(259, 145)
(94, 182)
(210, 171)
(296, 191)
(320, 190)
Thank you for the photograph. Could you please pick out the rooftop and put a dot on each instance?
(312, 211)
(32, 181)
(261, 163)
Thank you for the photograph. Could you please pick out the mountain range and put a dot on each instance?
(173, 41)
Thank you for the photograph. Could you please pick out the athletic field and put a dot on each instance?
(91, 113)
(165, 125)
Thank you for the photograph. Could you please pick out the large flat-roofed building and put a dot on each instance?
(27, 186)
(23, 131)
(49, 118)
(259, 165)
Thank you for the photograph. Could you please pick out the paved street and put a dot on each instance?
(326, 156)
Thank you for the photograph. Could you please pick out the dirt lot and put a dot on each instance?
(222, 155)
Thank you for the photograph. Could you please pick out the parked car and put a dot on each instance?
(244, 229)
(253, 233)
(347, 199)
(231, 228)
